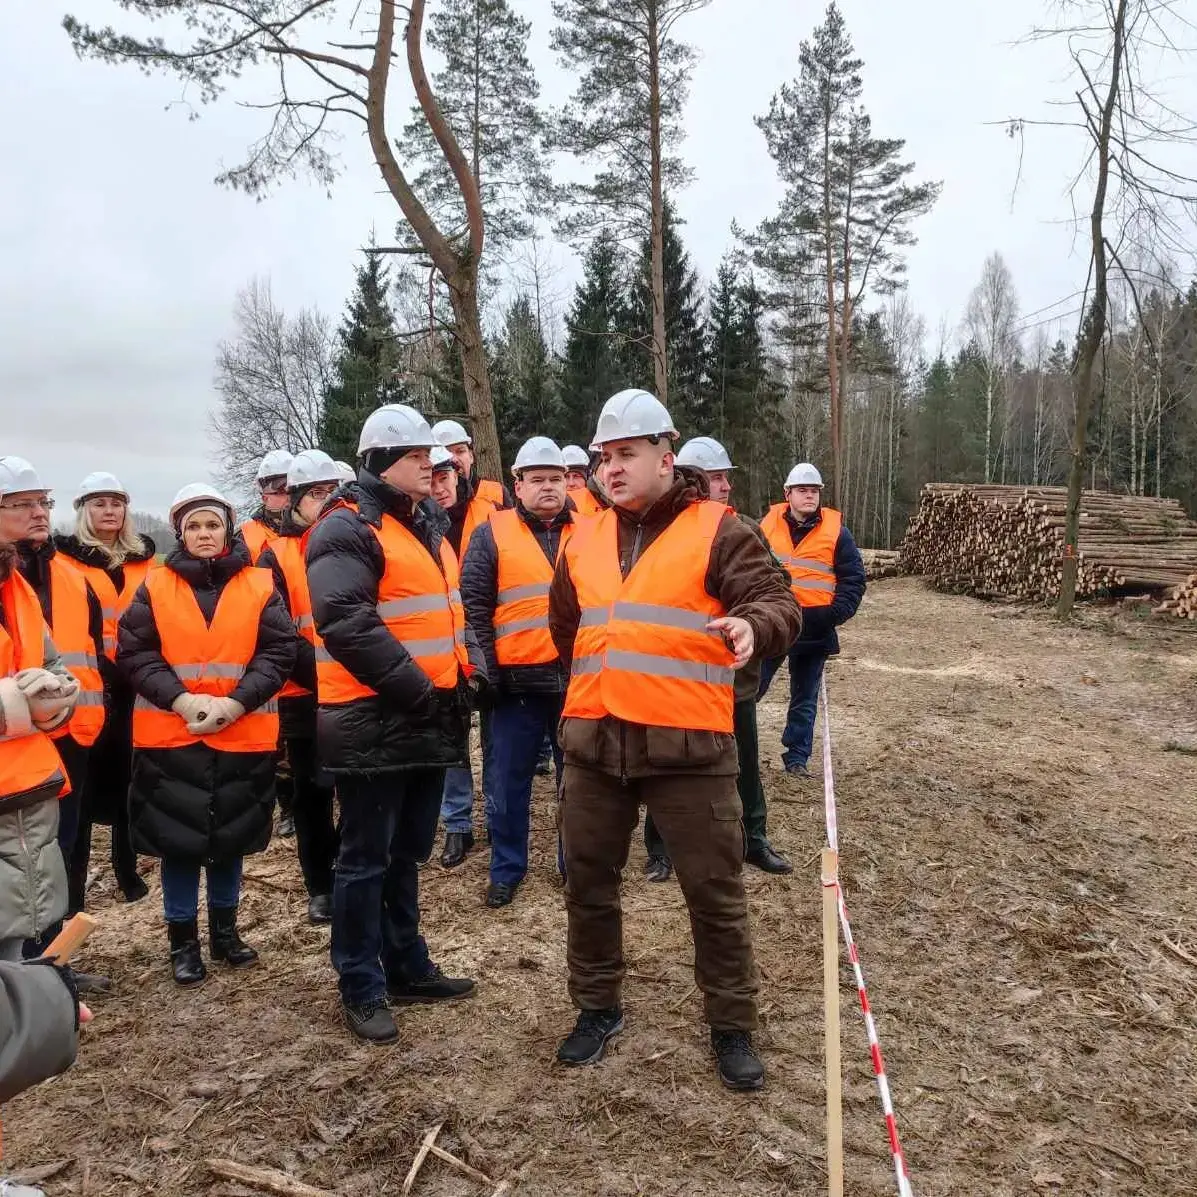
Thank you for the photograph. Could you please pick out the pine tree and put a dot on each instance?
(488, 93)
(626, 114)
(366, 366)
(526, 396)
(596, 358)
(684, 347)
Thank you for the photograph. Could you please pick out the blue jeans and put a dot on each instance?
(805, 671)
(180, 887)
(518, 725)
(457, 803)
(388, 825)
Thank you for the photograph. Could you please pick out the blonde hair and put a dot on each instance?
(128, 542)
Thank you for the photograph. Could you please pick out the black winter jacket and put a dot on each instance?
(479, 592)
(407, 723)
(819, 623)
(466, 489)
(196, 802)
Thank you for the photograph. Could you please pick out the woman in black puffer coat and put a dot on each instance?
(206, 644)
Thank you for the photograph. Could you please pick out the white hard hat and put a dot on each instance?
(632, 414)
(803, 474)
(576, 458)
(450, 432)
(275, 464)
(17, 476)
(442, 459)
(538, 451)
(311, 466)
(99, 483)
(395, 426)
(346, 471)
(195, 492)
(704, 453)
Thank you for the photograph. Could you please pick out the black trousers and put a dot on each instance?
(312, 807)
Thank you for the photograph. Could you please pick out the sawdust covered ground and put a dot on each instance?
(1019, 833)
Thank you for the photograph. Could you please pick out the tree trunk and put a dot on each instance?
(657, 219)
(1096, 326)
(833, 390)
(988, 420)
(890, 449)
(463, 294)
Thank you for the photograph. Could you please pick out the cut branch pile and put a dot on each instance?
(880, 563)
(1008, 542)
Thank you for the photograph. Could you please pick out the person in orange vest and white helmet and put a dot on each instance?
(113, 559)
(312, 480)
(654, 607)
(206, 645)
(828, 580)
(72, 614)
(578, 485)
(395, 675)
(263, 525)
(505, 586)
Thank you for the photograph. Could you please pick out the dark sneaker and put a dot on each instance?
(320, 909)
(767, 860)
(457, 847)
(135, 891)
(658, 868)
(434, 986)
(587, 1042)
(498, 894)
(798, 770)
(286, 826)
(740, 1067)
(371, 1021)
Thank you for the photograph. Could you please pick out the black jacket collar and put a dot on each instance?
(87, 554)
(198, 573)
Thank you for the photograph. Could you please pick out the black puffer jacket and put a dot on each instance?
(196, 802)
(407, 723)
(479, 591)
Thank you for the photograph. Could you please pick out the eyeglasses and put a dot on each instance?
(322, 492)
(29, 505)
(273, 486)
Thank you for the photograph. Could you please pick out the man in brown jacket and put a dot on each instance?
(653, 606)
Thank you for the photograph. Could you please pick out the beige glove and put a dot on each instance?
(193, 710)
(15, 719)
(50, 696)
(224, 713)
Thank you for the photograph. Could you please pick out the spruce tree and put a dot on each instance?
(368, 361)
(526, 397)
(596, 359)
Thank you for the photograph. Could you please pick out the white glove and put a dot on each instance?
(193, 710)
(49, 696)
(224, 713)
(15, 719)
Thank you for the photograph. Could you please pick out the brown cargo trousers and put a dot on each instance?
(699, 818)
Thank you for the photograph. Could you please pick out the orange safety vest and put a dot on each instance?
(521, 616)
(256, 535)
(642, 651)
(30, 761)
(289, 552)
(584, 501)
(69, 619)
(209, 659)
(487, 498)
(113, 603)
(810, 562)
(419, 602)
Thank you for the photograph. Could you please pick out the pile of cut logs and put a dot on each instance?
(880, 563)
(1182, 602)
(1008, 542)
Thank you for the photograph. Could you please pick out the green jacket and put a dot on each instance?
(38, 1026)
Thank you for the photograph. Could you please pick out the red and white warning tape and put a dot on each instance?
(833, 838)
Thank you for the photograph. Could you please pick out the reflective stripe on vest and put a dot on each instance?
(420, 605)
(810, 563)
(289, 553)
(521, 617)
(642, 650)
(27, 762)
(256, 535)
(208, 659)
(487, 499)
(69, 620)
(113, 604)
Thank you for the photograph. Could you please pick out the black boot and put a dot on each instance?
(739, 1065)
(227, 945)
(457, 844)
(765, 858)
(587, 1042)
(658, 868)
(320, 908)
(185, 957)
(432, 987)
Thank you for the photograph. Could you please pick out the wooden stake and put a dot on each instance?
(270, 1180)
(831, 1025)
(67, 942)
(421, 1156)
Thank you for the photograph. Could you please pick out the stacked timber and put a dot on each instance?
(1182, 602)
(880, 563)
(1008, 542)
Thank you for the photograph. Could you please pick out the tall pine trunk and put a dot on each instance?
(467, 322)
(657, 219)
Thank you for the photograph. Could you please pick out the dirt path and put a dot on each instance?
(1019, 837)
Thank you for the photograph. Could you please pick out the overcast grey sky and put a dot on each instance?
(120, 260)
